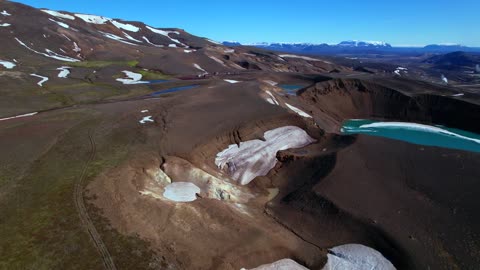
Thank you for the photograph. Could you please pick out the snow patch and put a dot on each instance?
(172, 45)
(64, 25)
(18, 116)
(64, 71)
(356, 257)
(93, 18)
(125, 26)
(131, 38)
(146, 119)
(181, 192)
(231, 81)
(272, 100)
(200, 68)
(148, 41)
(188, 51)
(217, 60)
(43, 79)
(4, 24)
(298, 111)
(256, 157)
(49, 53)
(5, 13)
(132, 78)
(458, 95)
(166, 34)
(58, 14)
(117, 38)
(144, 111)
(7, 64)
(272, 83)
(283, 264)
(213, 41)
(76, 48)
(444, 79)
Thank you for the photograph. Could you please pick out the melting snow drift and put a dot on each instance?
(298, 111)
(133, 78)
(181, 192)
(58, 14)
(63, 72)
(43, 79)
(256, 157)
(146, 119)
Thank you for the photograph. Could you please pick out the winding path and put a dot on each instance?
(82, 210)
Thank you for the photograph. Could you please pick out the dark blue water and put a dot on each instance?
(291, 89)
(174, 89)
(416, 133)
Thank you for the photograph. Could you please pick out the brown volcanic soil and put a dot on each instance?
(416, 205)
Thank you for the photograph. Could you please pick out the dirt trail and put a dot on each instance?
(82, 211)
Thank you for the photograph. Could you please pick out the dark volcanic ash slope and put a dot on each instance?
(97, 50)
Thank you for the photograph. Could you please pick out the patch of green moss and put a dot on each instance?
(100, 64)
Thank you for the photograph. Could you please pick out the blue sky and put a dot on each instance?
(405, 22)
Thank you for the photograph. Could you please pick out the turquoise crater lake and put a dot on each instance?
(415, 133)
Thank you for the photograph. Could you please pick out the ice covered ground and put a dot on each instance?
(256, 157)
(181, 192)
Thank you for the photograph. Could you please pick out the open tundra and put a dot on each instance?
(131, 146)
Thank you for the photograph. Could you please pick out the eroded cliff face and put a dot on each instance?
(336, 100)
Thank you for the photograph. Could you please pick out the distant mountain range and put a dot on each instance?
(353, 46)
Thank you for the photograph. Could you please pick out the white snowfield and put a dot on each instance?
(49, 53)
(172, 45)
(256, 157)
(4, 24)
(181, 192)
(43, 79)
(149, 42)
(125, 26)
(59, 14)
(166, 34)
(64, 71)
(299, 56)
(356, 257)
(18, 116)
(5, 13)
(76, 48)
(272, 100)
(298, 111)
(7, 64)
(272, 83)
(283, 264)
(64, 25)
(132, 78)
(419, 127)
(92, 18)
(231, 81)
(146, 119)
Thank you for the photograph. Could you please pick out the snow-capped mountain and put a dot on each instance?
(358, 43)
